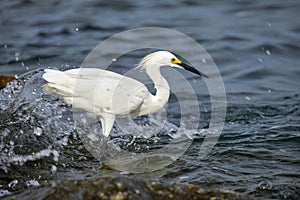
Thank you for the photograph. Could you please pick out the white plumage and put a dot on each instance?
(107, 94)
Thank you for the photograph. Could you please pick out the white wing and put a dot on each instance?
(97, 90)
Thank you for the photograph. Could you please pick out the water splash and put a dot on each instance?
(38, 132)
(36, 128)
(265, 185)
(131, 152)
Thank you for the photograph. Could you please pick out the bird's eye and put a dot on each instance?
(173, 60)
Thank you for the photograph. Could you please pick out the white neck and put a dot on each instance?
(161, 85)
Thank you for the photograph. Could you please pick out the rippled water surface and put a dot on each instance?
(255, 44)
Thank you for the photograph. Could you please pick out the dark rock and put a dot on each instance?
(118, 188)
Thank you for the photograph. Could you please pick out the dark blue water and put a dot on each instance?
(255, 44)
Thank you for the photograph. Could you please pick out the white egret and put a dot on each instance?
(107, 94)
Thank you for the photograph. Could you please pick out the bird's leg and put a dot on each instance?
(107, 123)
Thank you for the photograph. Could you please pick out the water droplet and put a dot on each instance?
(53, 168)
(203, 60)
(76, 29)
(32, 183)
(269, 90)
(13, 183)
(248, 98)
(5, 46)
(114, 60)
(55, 155)
(260, 60)
(38, 131)
(268, 52)
(265, 185)
(23, 65)
(269, 24)
(17, 56)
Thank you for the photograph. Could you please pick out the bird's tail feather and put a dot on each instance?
(60, 90)
(55, 76)
(58, 83)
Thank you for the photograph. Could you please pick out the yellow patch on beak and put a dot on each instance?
(176, 61)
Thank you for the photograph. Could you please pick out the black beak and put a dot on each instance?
(192, 69)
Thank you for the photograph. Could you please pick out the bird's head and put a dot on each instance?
(165, 58)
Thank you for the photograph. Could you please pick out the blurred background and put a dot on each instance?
(255, 44)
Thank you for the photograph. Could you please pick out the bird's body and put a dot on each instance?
(107, 94)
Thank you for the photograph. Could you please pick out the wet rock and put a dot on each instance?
(4, 80)
(118, 188)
